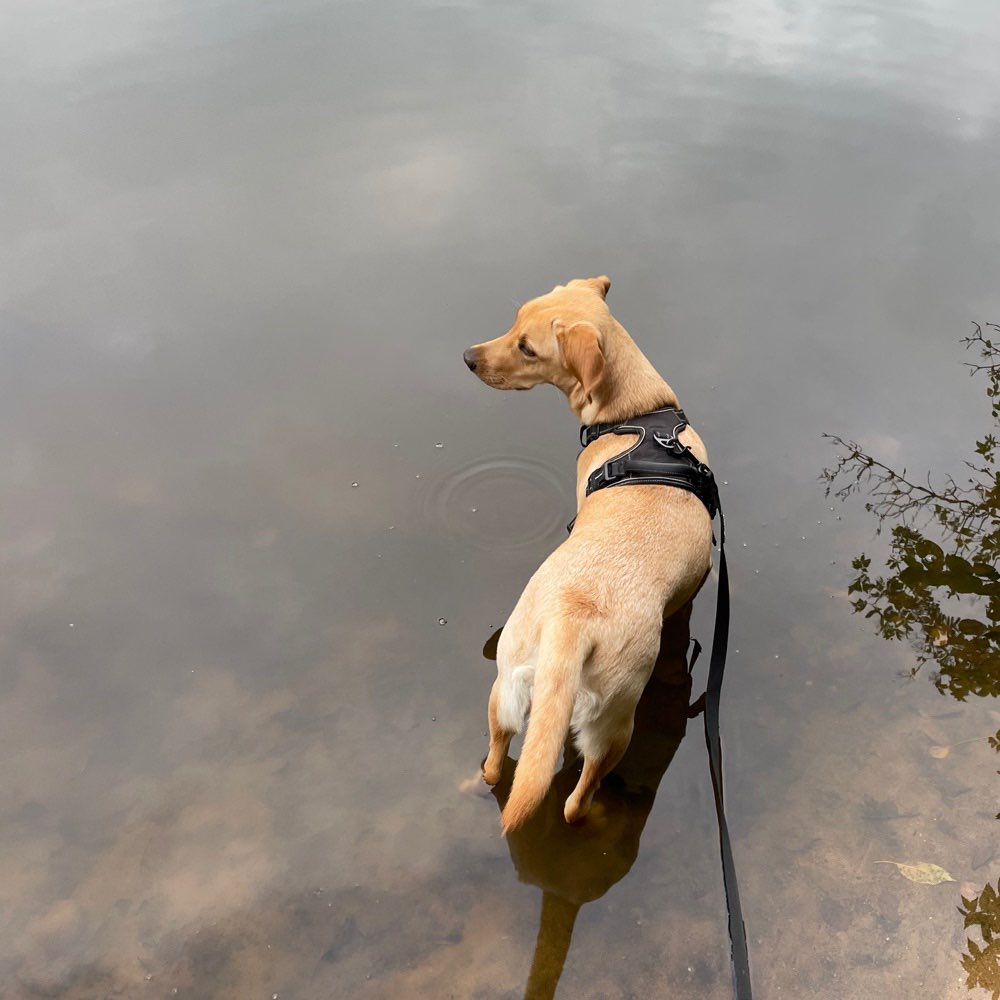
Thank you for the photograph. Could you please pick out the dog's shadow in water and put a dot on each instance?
(577, 864)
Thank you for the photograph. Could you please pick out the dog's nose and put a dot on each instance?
(469, 357)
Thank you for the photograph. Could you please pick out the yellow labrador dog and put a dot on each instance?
(580, 645)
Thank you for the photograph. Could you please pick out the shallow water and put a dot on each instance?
(243, 248)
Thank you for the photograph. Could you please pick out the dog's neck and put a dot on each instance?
(630, 385)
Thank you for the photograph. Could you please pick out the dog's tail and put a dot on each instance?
(561, 655)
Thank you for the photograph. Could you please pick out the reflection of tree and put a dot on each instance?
(982, 960)
(922, 574)
(925, 573)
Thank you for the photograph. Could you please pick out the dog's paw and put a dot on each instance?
(490, 775)
(591, 816)
(573, 811)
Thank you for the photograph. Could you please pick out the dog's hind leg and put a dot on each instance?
(599, 759)
(499, 739)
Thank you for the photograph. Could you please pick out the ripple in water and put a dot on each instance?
(499, 504)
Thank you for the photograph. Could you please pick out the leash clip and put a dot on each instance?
(670, 443)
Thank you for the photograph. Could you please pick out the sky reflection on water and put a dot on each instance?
(243, 248)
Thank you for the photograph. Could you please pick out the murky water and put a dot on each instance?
(243, 248)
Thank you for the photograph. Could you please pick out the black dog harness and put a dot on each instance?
(659, 459)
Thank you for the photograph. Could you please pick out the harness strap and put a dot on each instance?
(589, 433)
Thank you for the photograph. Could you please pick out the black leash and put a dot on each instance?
(738, 957)
(659, 458)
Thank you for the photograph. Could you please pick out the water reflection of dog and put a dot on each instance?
(577, 864)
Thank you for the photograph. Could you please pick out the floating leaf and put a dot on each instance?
(939, 752)
(922, 872)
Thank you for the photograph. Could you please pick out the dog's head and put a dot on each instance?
(557, 339)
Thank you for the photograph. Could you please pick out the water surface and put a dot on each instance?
(243, 249)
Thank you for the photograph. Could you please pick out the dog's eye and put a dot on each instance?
(526, 350)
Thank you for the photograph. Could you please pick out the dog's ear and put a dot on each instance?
(580, 346)
(599, 285)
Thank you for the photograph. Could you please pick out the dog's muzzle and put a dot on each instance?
(469, 357)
